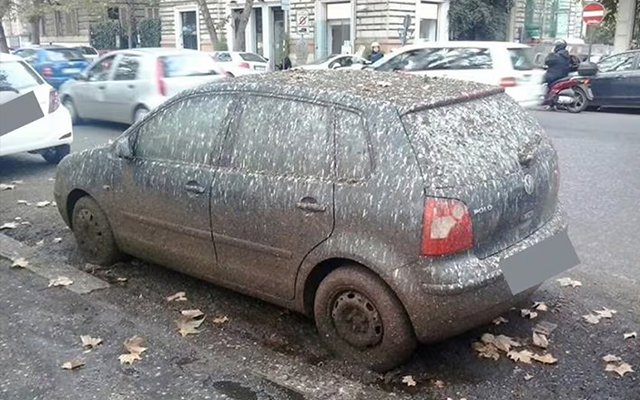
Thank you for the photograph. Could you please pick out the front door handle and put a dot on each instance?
(310, 204)
(194, 187)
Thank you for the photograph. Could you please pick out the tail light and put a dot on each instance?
(54, 100)
(244, 65)
(159, 78)
(446, 227)
(508, 82)
(47, 72)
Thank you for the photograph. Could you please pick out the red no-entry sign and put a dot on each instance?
(593, 13)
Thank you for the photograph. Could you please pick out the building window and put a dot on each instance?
(427, 14)
(152, 12)
(65, 23)
(113, 13)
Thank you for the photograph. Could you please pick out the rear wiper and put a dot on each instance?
(8, 89)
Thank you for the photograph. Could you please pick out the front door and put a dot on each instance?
(122, 93)
(89, 95)
(610, 86)
(272, 200)
(163, 192)
(189, 30)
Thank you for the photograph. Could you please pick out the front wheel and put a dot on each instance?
(360, 318)
(580, 103)
(73, 112)
(93, 233)
(54, 155)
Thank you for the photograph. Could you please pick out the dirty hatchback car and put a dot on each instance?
(380, 209)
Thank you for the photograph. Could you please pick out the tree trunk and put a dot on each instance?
(208, 21)
(4, 48)
(34, 24)
(241, 25)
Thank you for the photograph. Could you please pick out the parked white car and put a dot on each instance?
(237, 63)
(50, 136)
(336, 61)
(510, 65)
(125, 85)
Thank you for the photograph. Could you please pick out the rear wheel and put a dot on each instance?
(580, 103)
(54, 155)
(93, 233)
(360, 318)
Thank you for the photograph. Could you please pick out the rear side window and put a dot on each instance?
(521, 59)
(189, 131)
(475, 137)
(17, 75)
(433, 59)
(620, 62)
(89, 51)
(353, 162)
(64, 55)
(223, 57)
(250, 57)
(127, 69)
(282, 137)
(183, 65)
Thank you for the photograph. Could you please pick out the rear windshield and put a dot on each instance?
(182, 65)
(522, 59)
(472, 141)
(449, 58)
(17, 75)
(64, 55)
(88, 50)
(250, 57)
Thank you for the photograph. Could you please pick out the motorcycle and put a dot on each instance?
(572, 94)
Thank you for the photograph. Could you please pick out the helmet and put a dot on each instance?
(559, 45)
(375, 44)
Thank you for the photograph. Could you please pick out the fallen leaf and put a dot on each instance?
(505, 343)
(540, 340)
(408, 379)
(60, 281)
(88, 341)
(129, 358)
(528, 377)
(189, 323)
(523, 356)
(621, 369)
(26, 223)
(545, 328)
(24, 202)
(180, 296)
(6, 187)
(605, 313)
(57, 240)
(134, 345)
(41, 204)
(192, 313)
(438, 384)
(631, 335)
(592, 319)
(540, 306)
(20, 263)
(500, 320)
(40, 243)
(611, 358)
(544, 359)
(17, 219)
(20, 182)
(220, 320)
(526, 313)
(73, 364)
(121, 279)
(9, 225)
(564, 282)
(486, 350)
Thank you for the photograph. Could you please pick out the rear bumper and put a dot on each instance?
(50, 131)
(466, 292)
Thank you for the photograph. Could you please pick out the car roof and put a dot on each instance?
(447, 44)
(155, 51)
(406, 92)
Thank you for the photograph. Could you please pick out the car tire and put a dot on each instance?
(582, 102)
(73, 112)
(54, 155)
(381, 337)
(93, 233)
(140, 113)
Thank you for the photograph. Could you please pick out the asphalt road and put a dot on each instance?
(263, 352)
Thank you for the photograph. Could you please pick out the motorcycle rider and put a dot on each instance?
(558, 63)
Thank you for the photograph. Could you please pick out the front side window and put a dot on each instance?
(353, 162)
(127, 69)
(223, 57)
(521, 59)
(620, 62)
(282, 137)
(102, 70)
(188, 131)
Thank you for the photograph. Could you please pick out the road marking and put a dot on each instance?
(83, 282)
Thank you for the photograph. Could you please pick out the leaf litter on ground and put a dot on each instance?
(73, 364)
(540, 340)
(595, 318)
(24, 203)
(88, 341)
(42, 204)
(180, 296)
(500, 320)
(545, 328)
(611, 358)
(8, 225)
(620, 369)
(220, 320)
(134, 346)
(408, 380)
(540, 306)
(189, 322)
(60, 281)
(20, 263)
(4, 186)
(564, 282)
(527, 313)
(630, 335)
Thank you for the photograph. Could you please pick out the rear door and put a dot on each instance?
(272, 200)
(517, 63)
(121, 94)
(611, 85)
(187, 70)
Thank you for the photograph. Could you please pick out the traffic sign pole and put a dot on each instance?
(592, 15)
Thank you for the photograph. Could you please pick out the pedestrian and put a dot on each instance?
(376, 53)
(558, 63)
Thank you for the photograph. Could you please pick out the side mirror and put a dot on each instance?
(81, 76)
(123, 149)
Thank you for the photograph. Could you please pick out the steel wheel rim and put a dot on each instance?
(356, 319)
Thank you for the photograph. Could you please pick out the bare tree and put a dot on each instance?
(239, 22)
(208, 21)
(6, 7)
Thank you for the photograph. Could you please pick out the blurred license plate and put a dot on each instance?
(259, 68)
(69, 71)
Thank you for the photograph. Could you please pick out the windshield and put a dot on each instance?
(188, 65)
(64, 54)
(322, 60)
(250, 57)
(521, 59)
(17, 75)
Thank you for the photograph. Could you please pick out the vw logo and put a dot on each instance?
(528, 184)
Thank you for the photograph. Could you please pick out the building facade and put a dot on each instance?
(547, 19)
(16, 29)
(311, 28)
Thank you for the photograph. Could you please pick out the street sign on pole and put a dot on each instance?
(593, 13)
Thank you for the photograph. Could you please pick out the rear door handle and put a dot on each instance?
(194, 187)
(310, 204)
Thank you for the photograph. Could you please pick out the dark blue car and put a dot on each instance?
(56, 64)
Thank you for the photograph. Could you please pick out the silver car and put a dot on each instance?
(125, 85)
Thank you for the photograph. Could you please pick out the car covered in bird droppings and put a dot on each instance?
(380, 204)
